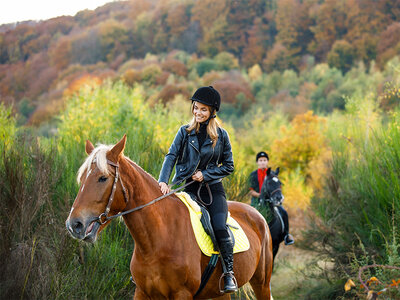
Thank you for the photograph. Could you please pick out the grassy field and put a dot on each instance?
(324, 159)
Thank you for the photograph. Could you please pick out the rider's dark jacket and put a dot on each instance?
(215, 163)
(253, 181)
(254, 185)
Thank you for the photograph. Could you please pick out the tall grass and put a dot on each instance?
(360, 203)
(29, 234)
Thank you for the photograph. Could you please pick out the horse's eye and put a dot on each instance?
(102, 179)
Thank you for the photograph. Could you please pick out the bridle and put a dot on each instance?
(111, 198)
(274, 191)
(104, 218)
(270, 194)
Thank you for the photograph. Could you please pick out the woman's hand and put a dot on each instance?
(164, 188)
(198, 176)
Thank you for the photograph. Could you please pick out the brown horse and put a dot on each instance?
(167, 262)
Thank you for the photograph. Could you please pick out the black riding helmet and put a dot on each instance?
(262, 154)
(208, 96)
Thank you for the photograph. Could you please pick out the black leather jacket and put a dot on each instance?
(214, 163)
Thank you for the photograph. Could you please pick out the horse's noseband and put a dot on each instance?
(270, 199)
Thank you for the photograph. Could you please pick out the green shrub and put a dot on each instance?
(360, 202)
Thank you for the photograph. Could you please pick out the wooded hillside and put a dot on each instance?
(39, 61)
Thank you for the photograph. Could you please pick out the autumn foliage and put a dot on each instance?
(213, 35)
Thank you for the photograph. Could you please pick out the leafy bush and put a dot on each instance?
(360, 199)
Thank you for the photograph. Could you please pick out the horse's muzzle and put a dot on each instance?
(81, 230)
(278, 199)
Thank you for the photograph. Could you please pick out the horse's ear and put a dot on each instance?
(268, 171)
(89, 147)
(118, 149)
(277, 171)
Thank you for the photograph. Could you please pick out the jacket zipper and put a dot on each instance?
(219, 152)
(184, 150)
(196, 165)
(195, 147)
(210, 157)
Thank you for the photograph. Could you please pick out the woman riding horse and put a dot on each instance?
(202, 153)
(167, 262)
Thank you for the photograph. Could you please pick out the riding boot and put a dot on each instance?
(226, 249)
(288, 238)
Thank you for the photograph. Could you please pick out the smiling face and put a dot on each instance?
(201, 112)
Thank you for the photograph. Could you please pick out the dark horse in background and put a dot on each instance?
(271, 197)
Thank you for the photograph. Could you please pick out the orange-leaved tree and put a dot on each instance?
(302, 151)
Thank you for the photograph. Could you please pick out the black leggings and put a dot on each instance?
(218, 209)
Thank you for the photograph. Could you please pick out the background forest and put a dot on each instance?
(314, 83)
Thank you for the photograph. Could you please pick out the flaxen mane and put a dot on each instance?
(98, 156)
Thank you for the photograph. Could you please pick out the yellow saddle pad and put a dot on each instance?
(203, 239)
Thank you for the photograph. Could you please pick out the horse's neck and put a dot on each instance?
(145, 224)
(275, 212)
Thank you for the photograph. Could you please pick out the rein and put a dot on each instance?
(274, 191)
(104, 218)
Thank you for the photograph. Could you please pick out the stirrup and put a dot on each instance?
(221, 290)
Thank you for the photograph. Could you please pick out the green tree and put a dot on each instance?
(205, 65)
(341, 56)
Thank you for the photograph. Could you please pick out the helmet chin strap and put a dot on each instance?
(212, 116)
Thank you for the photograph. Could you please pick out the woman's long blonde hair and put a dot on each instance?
(212, 127)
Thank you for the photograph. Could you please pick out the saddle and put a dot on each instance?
(204, 233)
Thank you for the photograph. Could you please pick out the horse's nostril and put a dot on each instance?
(77, 226)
